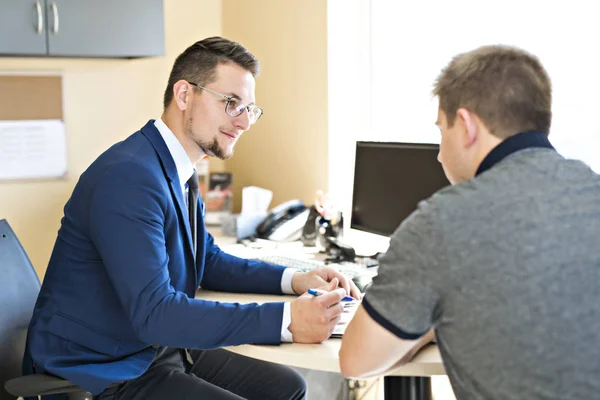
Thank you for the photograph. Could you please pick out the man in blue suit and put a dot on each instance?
(117, 303)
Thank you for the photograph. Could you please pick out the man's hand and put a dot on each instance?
(313, 318)
(302, 281)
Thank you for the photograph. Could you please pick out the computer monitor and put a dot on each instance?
(390, 179)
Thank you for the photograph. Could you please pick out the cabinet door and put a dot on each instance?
(105, 28)
(22, 27)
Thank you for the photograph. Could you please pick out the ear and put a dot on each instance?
(471, 127)
(182, 94)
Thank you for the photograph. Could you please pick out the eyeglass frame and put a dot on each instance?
(229, 100)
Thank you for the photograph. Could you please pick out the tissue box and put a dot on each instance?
(255, 203)
(241, 226)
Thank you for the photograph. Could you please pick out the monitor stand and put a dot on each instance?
(365, 244)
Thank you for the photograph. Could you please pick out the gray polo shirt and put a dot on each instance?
(506, 268)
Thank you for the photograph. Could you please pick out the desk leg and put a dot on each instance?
(407, 388)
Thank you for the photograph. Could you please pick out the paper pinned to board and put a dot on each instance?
(35, 149)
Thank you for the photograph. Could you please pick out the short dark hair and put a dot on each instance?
(505, 86)
(199, 61)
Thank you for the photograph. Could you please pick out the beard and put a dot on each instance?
(210, 148)
(214, 149)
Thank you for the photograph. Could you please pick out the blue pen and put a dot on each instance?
(317, 292)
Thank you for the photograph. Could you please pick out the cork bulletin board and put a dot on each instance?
(32, 134)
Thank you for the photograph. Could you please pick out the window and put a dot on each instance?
(385, 55)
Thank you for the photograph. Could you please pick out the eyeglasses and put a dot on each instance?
(234, 107)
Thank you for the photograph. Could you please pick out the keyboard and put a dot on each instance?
(291, 262)
(349, 269)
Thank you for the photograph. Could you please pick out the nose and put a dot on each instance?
(242, 121)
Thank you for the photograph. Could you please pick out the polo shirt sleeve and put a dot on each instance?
(405, 295)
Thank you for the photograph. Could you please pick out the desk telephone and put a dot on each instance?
(285, 222)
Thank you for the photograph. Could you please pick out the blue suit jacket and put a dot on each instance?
(122, 275)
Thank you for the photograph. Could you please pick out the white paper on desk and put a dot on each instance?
(255, 200)
(32, 149)
(347, 315)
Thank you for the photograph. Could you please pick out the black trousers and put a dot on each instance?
(215, 375)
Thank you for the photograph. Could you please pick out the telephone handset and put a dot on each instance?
(284, 223)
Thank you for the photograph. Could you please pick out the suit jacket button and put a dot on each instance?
(155, 346)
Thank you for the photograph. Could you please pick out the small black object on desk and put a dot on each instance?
(339, 251)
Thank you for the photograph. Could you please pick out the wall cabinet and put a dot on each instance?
(82, 28)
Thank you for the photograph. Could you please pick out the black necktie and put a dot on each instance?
(193, 215)
(193, 207)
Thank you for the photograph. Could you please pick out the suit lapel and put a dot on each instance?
(170, 170)
(182, 212)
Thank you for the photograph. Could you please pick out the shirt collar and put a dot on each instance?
(184, 166)
(520, 141)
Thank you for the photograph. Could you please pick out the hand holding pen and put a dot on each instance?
(314, 318)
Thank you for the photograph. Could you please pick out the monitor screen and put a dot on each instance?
(390, 179)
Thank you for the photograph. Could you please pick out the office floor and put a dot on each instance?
(330, 386)
(442, 390)
(374, 390)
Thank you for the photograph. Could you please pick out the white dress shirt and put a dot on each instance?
(185, 169)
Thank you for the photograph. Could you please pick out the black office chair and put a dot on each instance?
(19, 287)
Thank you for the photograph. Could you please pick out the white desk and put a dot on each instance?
(321, 357)
(406, 382)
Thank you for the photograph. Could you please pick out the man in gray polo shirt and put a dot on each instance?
(504, 264)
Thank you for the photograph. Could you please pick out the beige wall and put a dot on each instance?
(286, 151)
(104, 101)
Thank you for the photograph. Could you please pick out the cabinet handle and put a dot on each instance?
(40, 20)
(55, 14)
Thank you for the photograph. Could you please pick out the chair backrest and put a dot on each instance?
(19, 288)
